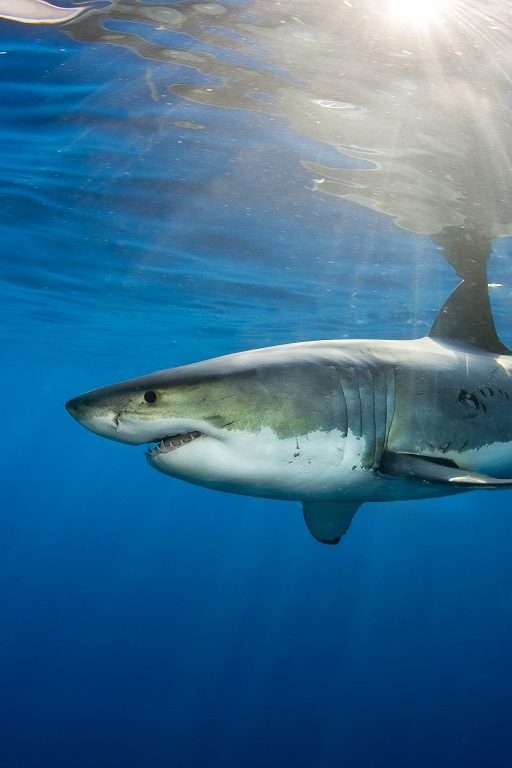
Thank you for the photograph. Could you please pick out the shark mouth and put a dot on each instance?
(172, 443)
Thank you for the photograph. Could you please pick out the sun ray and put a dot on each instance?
(416, 12)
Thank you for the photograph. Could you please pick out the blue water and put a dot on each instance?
(145, 622)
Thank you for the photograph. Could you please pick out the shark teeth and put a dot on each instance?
(171, 443)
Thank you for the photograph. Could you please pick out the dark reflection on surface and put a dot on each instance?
(467, 314)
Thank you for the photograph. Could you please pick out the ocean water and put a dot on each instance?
(163, 184)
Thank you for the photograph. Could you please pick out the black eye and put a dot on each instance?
(150, 396)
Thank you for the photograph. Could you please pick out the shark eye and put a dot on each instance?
(150, 396)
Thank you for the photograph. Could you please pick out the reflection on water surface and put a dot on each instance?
(417, 94)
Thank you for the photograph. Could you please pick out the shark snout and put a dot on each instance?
(103, 421)
(109, 417)
(76, 407)
(85, 408)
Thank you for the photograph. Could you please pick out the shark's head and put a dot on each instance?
(146, 410)
(238, 423)
(187, 419)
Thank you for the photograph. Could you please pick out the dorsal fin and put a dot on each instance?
(466, 316)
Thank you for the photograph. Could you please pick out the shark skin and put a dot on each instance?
(331, 424)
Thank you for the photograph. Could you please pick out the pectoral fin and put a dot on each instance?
(327, 521)
(430, 470)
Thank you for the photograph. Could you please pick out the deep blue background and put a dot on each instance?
(149, 623)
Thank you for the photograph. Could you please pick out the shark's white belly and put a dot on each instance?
(319, 465)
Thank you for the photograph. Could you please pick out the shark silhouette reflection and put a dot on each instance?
(413, 97)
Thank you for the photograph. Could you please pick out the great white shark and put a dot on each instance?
(331, 424)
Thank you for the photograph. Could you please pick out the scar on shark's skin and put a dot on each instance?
(38, 11)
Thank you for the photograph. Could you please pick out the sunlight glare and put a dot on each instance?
(416, 12)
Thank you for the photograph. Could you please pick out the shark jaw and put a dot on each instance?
(172, 443)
